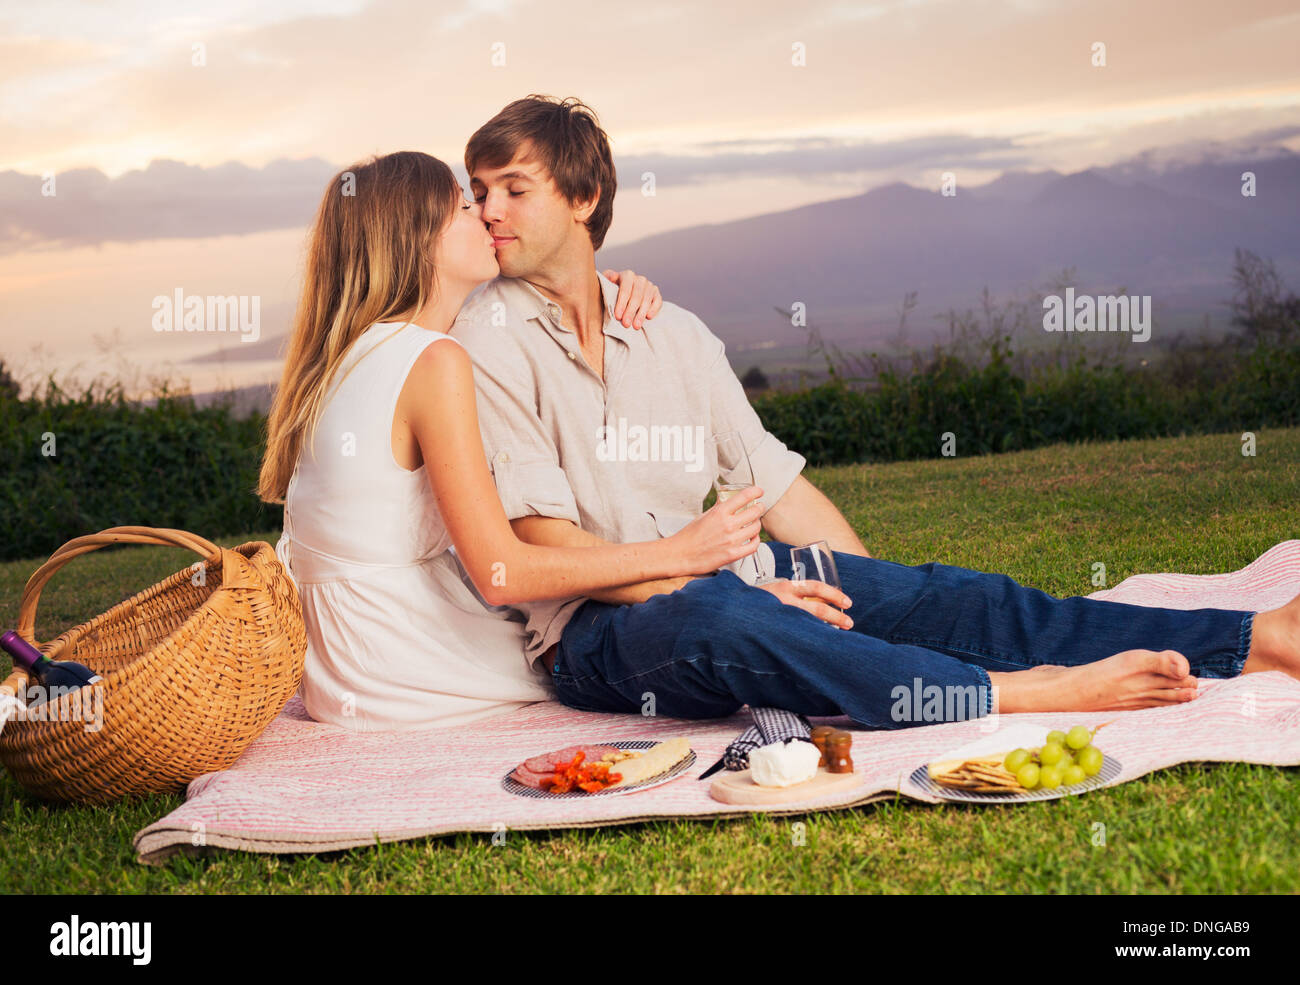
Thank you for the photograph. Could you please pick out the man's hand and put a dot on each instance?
(816, 597)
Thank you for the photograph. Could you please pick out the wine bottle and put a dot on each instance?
(68, 675)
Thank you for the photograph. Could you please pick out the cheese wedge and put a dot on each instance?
(655, 760)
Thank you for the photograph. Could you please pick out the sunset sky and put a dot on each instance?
(207, 172)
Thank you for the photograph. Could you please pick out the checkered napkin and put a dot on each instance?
(770, 725)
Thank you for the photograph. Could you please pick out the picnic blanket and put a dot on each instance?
(303, 786)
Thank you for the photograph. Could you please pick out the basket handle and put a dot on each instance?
(159, 536)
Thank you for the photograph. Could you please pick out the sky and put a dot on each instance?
(189, 143)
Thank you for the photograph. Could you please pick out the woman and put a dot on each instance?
(373, 446)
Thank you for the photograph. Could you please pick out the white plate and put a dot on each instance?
(523, 790)
(1110, 769)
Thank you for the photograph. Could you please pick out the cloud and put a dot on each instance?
(813, 156)
(167, 199)
(115, 86)
(170, 199)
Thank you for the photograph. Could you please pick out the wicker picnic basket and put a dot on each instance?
(193, 670)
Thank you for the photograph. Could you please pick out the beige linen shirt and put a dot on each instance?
(628, 457)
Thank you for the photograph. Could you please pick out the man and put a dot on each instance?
(600, 432)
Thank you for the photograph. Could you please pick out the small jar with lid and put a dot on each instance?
(839, 746)
(819, 736)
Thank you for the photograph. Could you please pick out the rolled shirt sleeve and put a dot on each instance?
(534, 487)
(775, 466)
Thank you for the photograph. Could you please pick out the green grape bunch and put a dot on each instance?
(1065, 758)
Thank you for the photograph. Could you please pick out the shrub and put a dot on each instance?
(990, 408)
(76, 465)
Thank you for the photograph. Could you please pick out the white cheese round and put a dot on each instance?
(783, 764)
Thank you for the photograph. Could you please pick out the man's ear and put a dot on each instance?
(582, 210)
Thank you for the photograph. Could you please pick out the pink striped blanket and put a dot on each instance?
(309, 787)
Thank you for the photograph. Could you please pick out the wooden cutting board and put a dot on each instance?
(738, 787)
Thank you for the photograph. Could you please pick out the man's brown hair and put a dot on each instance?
(567, 138)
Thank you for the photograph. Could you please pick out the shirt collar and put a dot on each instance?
(613, 326)
(540, 306)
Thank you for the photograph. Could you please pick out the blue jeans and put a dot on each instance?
(924, 638)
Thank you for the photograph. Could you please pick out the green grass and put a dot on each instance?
(1043, 516)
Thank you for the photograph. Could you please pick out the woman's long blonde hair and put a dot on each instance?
(370, 257)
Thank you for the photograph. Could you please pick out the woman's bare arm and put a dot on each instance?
(440, 402)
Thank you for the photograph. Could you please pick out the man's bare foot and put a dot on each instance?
(1275, 641)
(1128, 680)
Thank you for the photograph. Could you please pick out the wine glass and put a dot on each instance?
(814, 562)
(735, 474)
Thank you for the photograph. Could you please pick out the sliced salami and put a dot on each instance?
(545, 763)
(551, 761)
(529, 778)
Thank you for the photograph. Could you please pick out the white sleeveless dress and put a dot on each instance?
(397, 636)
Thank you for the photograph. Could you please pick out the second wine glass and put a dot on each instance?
(814, 562)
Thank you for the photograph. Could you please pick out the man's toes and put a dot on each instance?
(1171, 695)
(1159, 682)
(1174, 665)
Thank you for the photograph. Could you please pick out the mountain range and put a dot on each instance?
(1162, 229)
(1165, 233)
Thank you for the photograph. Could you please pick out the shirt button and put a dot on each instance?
(572, 356)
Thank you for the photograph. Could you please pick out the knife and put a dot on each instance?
(713, 769)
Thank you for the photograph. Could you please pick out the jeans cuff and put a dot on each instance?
(1243, 645)
(986, 689)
